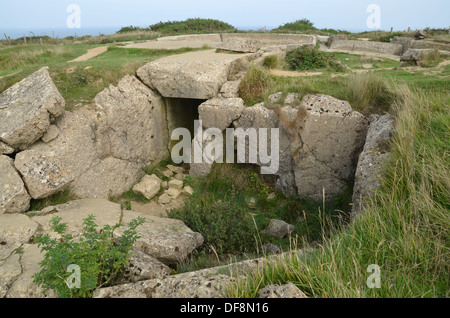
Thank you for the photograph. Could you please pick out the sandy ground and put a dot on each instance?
(90, 54)
(293, 73)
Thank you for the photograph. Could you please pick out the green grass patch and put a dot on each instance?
(78, 82)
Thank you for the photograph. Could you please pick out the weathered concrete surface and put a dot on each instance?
(241, 45)
(24, 287)
(196, 75)
(168, 240)
(101, 149)
(15, 230)
(14, 198)
(149, 186)
(220, 112)
(331, 137)
(27, 108)
(142, 267)
(74, 212)
(367, 46)
(274, 38)
(47, 168)
(187, 285)
(259, 116)
(418, 55)
(132, 124)
(411, 43)
(372, 160)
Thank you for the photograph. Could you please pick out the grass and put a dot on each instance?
(431, 59)
(404, 229)
(78, 82)
(367, 93)
(230, 187)
(55, 199)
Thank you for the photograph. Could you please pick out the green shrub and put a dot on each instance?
(100, 257)
(130, 28)
(192, 26)
(225, 225)
(308, 58)
(299, 25)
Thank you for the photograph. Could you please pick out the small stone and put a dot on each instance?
(271, 196)
(175, 169)
(173, 192)
(52, 133)
(165, 185)
(5, 149)
(164, 198)
(179, 176)
(275, 97)
(176, 184)
(149, 186)
(251, 202)
(279, 228)
(291, 98)
(167, 173)
(270, 248)
(188, 190)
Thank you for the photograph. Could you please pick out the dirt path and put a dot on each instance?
(90, 54)
(4, 76)
(293, 73)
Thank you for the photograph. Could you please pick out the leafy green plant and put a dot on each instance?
(99, 256)
(258, 186)
(308, 58)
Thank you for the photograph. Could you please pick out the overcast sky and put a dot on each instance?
(344, 14)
